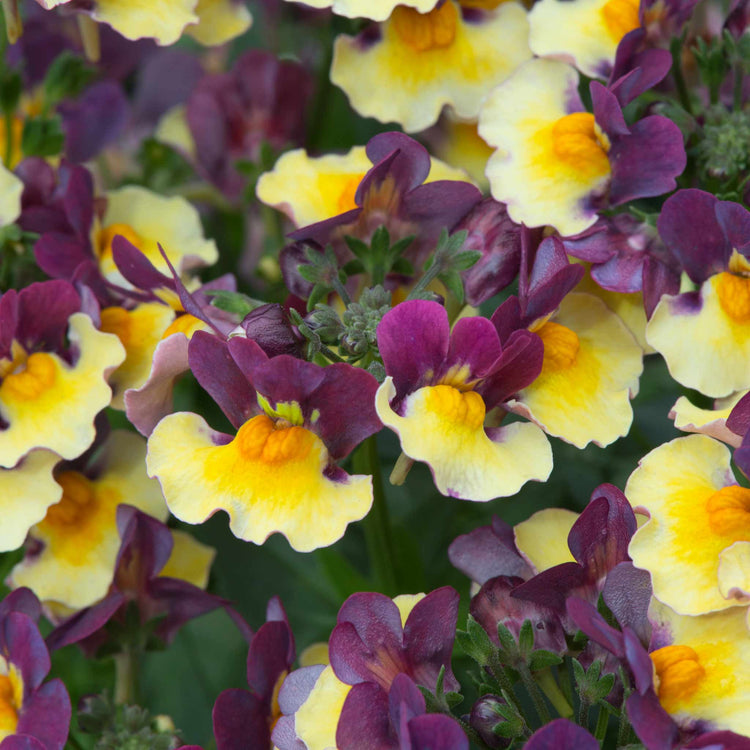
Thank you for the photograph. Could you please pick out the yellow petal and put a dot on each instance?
(174, 130)
(219, 21)
(162, 20)
(375, 11)
(391, 80)
(190, 560)
(445, 428)
(10, 196)
(79, 535)
(316, 720)
(265, 483)
(543, 538)
(51, 404)
(678, 546)
(693, 342)
(711, 422)
(589, 400)
(734, 572)
(26, 492)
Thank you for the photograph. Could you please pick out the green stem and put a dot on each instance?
(376, 525)
(497, 670)
(8, 156)
(551, 689)
(535, 693)
(127, 668)
(326, 352)
(583, 712)
(675, 48)
(401, 469)
(73, 740)
(623, 730)
(602, 722)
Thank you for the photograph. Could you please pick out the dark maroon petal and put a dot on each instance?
(721, 740)
(690, 229)
(284, 736)
(494, 604)
(600, 536)
(94, 120)
(734, 219)
(247, 355)
(487, 552)
(216, 371)
(46, 715)
(561, 734)
(646, 162)
(21, 600)
(286, 379)
(741, 456)
(738, 420)
(240, 721)
(9, 312)
(146, 545)
(136, 267)
(345, 401)
(24, 647)
(607, 111)
(59, 255)
(269, 326)
(77, 185)
(413, 340)
(268, 659)
(551, 587)
(437, 732)
(86, 622)
(636, 69)
(627, 593)
(296, 688)
(474, 343)
(405, 701)
(44, 309)
(586, 618)
(518, 367)
(412, 164)
(639, 661)
(507, 318)
(440, 204)
(658, 279)
(365, 715)
(653, 725)
(620, 273)
(428, 637)
(18, 742)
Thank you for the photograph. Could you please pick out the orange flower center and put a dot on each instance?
(76, 503)
(29, 378)
(107, 234)
(187, 324)
(426, 31)
(620, 17)
(561, 347)
(117, 320)
(679, 674)
(346, 200)
(9, 705)
(262, 439)
(483, 4)
(465, 408)
(578, 141)
(734, 296)
(729, 512)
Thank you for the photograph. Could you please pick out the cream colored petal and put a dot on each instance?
(543, 538)
(60, 413)
(444, 428)
(590, 400)
(734, 572)
(711, 422)
(220, 21)
(316, 720)
(375, 10)
(190, 560)
(172, 222)
(292, 497)
(677, 545)
(405, 604)
(392, 82)
(162, 20)
(10, 196)
(174, 130)
(705, 350)
(26, 492)
(76, 564)
(462, 146)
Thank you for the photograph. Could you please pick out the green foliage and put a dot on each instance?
(42, 136)
(66, 78)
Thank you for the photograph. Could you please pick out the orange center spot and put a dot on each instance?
(275, 713)
(346, 200)
(483, 4)
(36, 376)
(578, 142)
(679, 674)
(620, 17)
(426, 31)
(8, 707)
(77, 501)
(260, 439)
(187, 324)
(734, 296)
(465, 408)
(117, 320)
(561, 347)
(729, 512)
(107, 234)
(16, 130)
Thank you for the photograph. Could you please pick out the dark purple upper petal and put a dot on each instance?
(22, 645)
(561, 734)
(365, 714)
(43, 311)
(474, 343)
(653, 725)
(408, 162)
(240, 721)
(585, 617)
(637, 69)
(721, 740)
(86, 622)
(627, 592)
(268, 659)
(46, 715)
(18, 742)
(734, 219)
(607, 111)
(269, 326)
(436, 732)
(21, 600)
(738, 420)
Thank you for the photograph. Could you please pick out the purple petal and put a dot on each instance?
(636, 70)
(721, 740)
(25, 742)
(268, 659)
(24, 647)
(21, 600)
(405, 701)
(240, 721)
(437, 732)
(86, 622)
(561, 734)
(551, 587)
(269, 326)
(639, 661)
(144, 550)
(474, 343)
(136, 267)
(46, 715)
(653, 725)
(607, 111)
(658, 279)
(586, 618)
(43, 312)
(297, 687)
(365, 714)
(738, 420)
(286, 379)
(408, 161)
(627, 593)
(734, 219)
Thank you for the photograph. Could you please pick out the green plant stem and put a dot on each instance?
(623, 730)
(535, 693)
(602, 722)
(583, 712)
(551, 689)
(377, 525)
(401, 469)
(127, 668)
(675, 48)
(8, 156)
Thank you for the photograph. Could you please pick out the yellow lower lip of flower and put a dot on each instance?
(444, 427)
(561, 346)
(620, 17)
(268, 480)
(162, 20)
(729, 512)
(679, 673)
(107, 234)
(426, 31)
(50, 404)
(734, 296)
(219, 21)
(11, 698)
(543, 538)
(316, 720)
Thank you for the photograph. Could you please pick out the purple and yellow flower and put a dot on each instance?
(696, 329)
(278, 473)
(712, 422)
(695, 543)
(72, 550)
(34, 715)
(558, 164)
(441, 386)
(50, 390)
(410, 67)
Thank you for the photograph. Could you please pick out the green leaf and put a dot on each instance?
(42, 136)
(402, 266)
(308, 272)
(526, 639)
(353, 267)
(10, 91)
(359, 248)
(454, 283)
(542, 659)
(233, 302)
(317, 295)
(67, 77)
(465, 259)
(507, 639)
(453, 699)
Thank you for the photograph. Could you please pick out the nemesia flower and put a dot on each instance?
(557, 164)
(458, 143)
(692, 330)
(365, 9)
(415, 63)
(51, 391)
(591, 362)
(34, 715)
(312, 189)
(153, 571)
(695, 540)
(712, 422)
(562, 734)
(230, 115)
(219, 21)
(278, 473)
(71, 556)
(587, 32)
(440, 387)
(10, 196)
